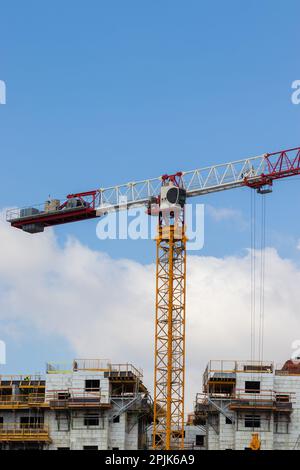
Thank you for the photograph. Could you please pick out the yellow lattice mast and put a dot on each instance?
(168, 432)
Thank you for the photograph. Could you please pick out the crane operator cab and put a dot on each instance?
(169, 207)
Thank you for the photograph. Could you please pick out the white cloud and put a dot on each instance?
(105, 308)
(219, 214)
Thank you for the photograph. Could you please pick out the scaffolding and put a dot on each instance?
(23, 381)
(103, 392)
(12, 432)
(21, 392)
(73, 398)
(23, 401)
(245, 408)
(218, 369)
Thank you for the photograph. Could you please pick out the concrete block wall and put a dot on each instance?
(11, 418)
(76, 382)
(132, 432)
(226, 434)
(56, 382)
(107, 435)
(190, 436)
(266, 380)
(213, 441)
(239, 437)
(289, 384)
(113, 435)
(243, 436)
(89, 437)
(78, 435)
(117, 433)
(16, 415)
(67, 427)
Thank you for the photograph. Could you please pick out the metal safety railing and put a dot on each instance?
(262, 399)
(223, 368)
(72, 398)
(97, 365)
(22, 400)
(94, 365)
(24, 379)
(125, 369)
(239, 398)
(55, 398)
(24, 432)
(58, 368)
(243, 393)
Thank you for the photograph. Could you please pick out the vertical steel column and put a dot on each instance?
(168, 431)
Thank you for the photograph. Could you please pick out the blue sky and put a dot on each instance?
(101, 93)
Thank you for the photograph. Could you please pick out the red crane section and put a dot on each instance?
(286, 163)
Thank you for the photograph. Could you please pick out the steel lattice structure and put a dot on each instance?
(169, 373)
(252, 172)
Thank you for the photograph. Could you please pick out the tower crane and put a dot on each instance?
(164, 197)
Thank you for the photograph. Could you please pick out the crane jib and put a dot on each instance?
(255, 172)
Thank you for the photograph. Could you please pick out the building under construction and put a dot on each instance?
(226, 395)
(96, 405)
(90, 405)
(250, 404)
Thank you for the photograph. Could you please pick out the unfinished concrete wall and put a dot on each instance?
(276, 413)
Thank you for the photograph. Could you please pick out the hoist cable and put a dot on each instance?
(253, 274)
(262, 278)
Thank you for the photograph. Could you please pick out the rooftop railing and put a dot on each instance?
(59, 368)
(91, 364)
(24, 378)
(125, 369)
(227, 367)
(94, 365)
